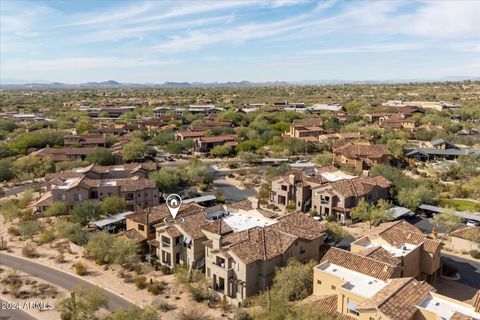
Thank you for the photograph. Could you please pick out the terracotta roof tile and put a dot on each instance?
(359, 263)
(322, 306)
(400, 232)
(398, 299)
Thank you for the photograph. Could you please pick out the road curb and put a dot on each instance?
(74, 275)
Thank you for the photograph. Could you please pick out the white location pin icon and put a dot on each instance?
(174, 201)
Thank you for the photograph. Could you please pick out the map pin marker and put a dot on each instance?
(174, 201)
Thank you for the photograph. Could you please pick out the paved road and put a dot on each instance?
(59, 278)
(20, 188)
(14, 314)
(468, 270)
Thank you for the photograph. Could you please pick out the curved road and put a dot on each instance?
(59, 278)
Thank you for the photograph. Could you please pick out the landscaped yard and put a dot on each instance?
(460, 204)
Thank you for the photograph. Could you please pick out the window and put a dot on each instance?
(141, 227)
(77, 197)
(319, 281)
(139, 194)
(61, 197)
(284, 188)
(334, 288)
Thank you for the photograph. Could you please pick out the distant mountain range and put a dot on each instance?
(12, 83)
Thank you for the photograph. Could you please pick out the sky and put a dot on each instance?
(75, 41)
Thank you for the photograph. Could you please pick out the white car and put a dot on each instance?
(472, 223)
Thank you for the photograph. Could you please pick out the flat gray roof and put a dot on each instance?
(462, 214)
(116, 218)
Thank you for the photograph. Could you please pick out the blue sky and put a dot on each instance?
(258, 40)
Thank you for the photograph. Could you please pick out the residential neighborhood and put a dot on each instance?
(239, 160)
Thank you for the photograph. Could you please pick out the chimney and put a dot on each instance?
(216, 241)
(291, 179)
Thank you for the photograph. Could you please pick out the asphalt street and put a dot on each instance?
(60, 279)
(14, 314)
(468, 270)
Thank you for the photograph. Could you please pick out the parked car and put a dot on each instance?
(472, 223)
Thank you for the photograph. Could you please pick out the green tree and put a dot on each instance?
(163, 138)
(412, 198)
(85, 304)
(134, 150)
(397, 147)
(112, 205)
(448, 219)
(71, 231)
(86, 211)
(336, 232)
(31, 167)
(221, 151)
(99, 247)
(371, 213)
(6, 172)
(11, 210)
(57, 208)
(294, 281)
(167, 179)
(101, 156)
(123, 251)
(324, 159)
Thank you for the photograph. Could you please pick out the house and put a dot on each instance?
(182, 243)
(440, 150)
(63, 154)
(109, 112)
(396, 122)
(97, 183)
(360, 156)
(350, 286)
(205, 110)
(242, 264)
(182, 135)
(311, 127)
(85, 140)
(206, 144)
(462, 239)
(327, 191)
(338, 198)
(400, 241)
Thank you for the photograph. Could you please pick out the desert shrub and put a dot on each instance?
(29, 251)
(194, 314)
(475, 254)
(13, 231)
(141, 282)
(449, 270)
(241, 314)
(47, 236)
(199, 293)
(80, 269)
(30, 228)
(156, 287)
(163, 305)
(165, 269)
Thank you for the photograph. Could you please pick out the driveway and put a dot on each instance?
(7, 314)
(468, 270)
(59, 278)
